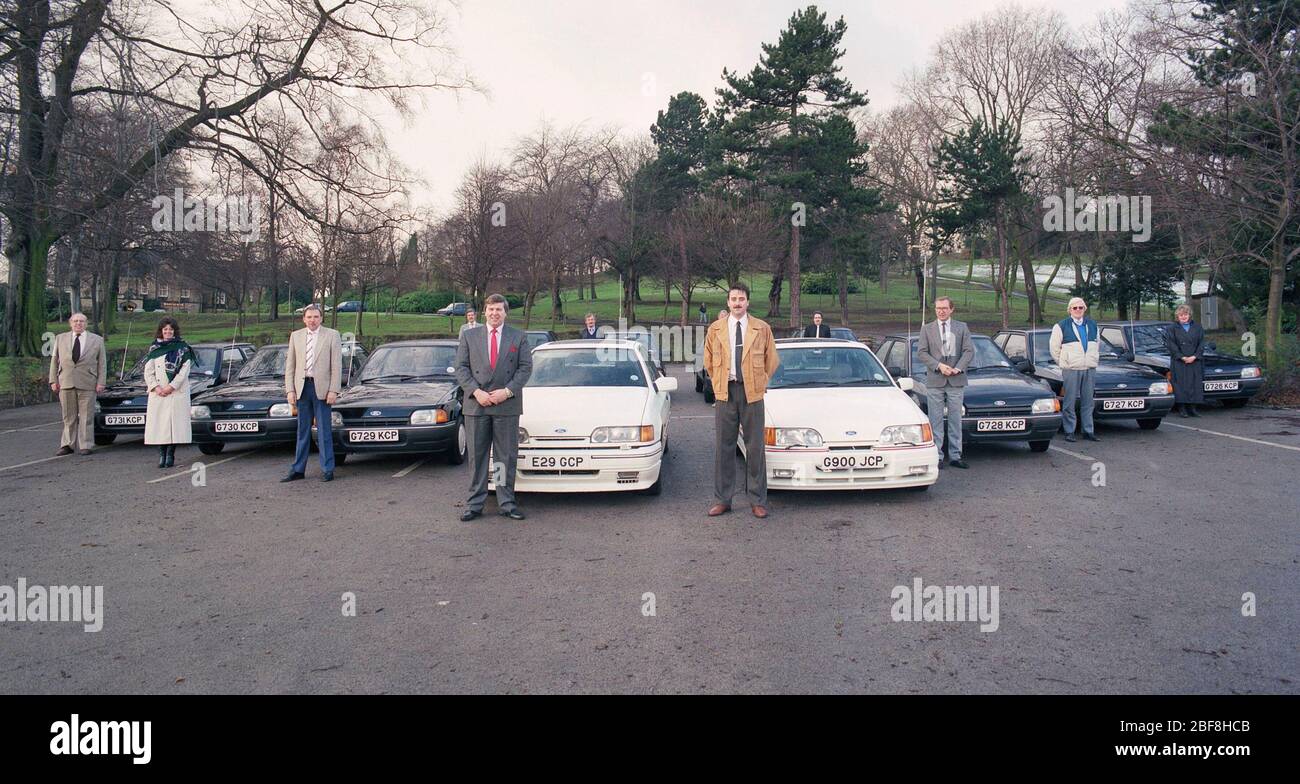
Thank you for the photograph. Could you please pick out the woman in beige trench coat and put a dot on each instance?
(167, 375)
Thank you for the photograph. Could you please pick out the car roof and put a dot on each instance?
(819, 342)
(589, 343)
(1145, 323)
(425, 342)
(917, 335)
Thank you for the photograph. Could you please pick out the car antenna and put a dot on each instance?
(129, 323)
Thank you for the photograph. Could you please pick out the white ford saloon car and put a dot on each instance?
(595, 419)
(837, 420)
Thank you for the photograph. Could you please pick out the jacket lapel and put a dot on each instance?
(750, 333)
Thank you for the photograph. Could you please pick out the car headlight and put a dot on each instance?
(791, 436)
(523, 435)
(1159, 388)
(906, 434)
(963, 409)
(430, 416)
(1047, 405)
(200, 412)
(281, 410)
(336, 419)
(628, 434)
(1251, 372)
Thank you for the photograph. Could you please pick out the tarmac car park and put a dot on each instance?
(1230, 380)
(837, 420)
(1000, 402)
(595, 419)
(1121, 390)
(120, 409)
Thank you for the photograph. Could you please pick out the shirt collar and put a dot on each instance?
(1077, 322)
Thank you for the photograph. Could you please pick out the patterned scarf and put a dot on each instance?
(177, 352)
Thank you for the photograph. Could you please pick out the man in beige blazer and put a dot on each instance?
(313, 364)
(78, 370)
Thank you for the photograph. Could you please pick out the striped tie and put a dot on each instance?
(311, 353)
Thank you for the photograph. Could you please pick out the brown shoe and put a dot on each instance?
(759, 511)
(718, 509)
(63, 450)
(84, 452)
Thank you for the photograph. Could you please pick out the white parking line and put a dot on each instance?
(25, 429)
(1230, 435)
(1079, 455)
(411, 467)
(33, 462)
(186, 472)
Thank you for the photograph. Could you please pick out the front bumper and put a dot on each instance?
(102, 429)
(1038, 427)
(410, 438)
(578, 470)
(1153, 407)
(1246, 388)
(270, 430)
(911, 466)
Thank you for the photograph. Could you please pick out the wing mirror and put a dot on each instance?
(666, 384)
(906, 384)
(1024, 365)
(1211, 345)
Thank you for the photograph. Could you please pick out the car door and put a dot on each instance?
(663, 400)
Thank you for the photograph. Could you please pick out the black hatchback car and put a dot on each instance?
(1121, 389)
(252, 408)
(1000, 403)
(1229, 380)
(405, 400)
(120, 409)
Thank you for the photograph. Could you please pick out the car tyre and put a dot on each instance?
(699, 384)
(708, 395)
(1231, 402)
(105, 440)
(340, 457)
(457, 454)
(1039, 446)
(658, 487)
(1149, 424)
(212, 449)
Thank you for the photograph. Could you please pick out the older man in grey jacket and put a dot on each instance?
(946, 350)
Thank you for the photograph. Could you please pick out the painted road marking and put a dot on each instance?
(187, 471)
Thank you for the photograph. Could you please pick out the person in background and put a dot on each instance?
(817, 329)
(704, 314)
(1075, 349)
(78, 370)
(1186, 343)
(588, 331)
(722, 314)
(167, 369)
(471, 321)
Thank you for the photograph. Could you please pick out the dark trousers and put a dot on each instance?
(499, 437)
(310, 406)
(730, 416)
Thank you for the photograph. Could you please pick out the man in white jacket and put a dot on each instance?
(1076, 349)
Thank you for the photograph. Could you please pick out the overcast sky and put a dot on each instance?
(617, 62)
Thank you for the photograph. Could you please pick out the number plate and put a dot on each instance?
(850, 462)
(123, 419)
(998, 425)
(235, 427)
(1127, 404)
(1221, 386)
(554, 462)
(368, 436)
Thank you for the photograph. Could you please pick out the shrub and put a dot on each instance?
(825, 283)
(422, 301)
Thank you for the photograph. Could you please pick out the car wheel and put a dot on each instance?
(457, 454)
(708, 395)
(212, 449)
(105, 440)
(1039, 446)
(1232, 402)
(658, 487)
(340, 457)
(699, 384)
(1149, 424)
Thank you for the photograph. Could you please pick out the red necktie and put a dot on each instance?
(492, 352)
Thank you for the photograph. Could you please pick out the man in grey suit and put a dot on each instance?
(78, 370)
(946, 350)
(492, 365)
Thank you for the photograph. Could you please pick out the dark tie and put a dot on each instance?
(740, 348)
(492, 350)
(76, 348)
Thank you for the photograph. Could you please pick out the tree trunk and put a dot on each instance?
(1002, 268)
(794, 276)
(844, 295)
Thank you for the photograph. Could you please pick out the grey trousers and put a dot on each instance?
(936, 398)
(729, 416)
(498, 435)
(1078, 388)
(78, 408)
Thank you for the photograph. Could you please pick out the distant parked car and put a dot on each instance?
(537, 337)
(351, 306)
(454, 309)
(324, 309)
(1229, 380)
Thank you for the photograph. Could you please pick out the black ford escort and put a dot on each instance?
(1230, 380)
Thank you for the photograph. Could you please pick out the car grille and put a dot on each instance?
(1227, 375)
(358, 421)
(1000, 411)
(1132, 391)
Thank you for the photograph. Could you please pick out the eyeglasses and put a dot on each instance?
(1078, 307)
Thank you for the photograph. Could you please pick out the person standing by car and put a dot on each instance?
(492, 366)
(313, 363)
(817, 329)
(740, 356)
(1186, 343)
(1076, 350)
(946, 350)
(704, 314)
(588, 331)
(167, 369)
(78, 370)
(471, 321)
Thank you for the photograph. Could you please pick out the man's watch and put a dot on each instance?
(509, 393)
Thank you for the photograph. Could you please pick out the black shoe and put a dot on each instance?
(1070, 437)
(958, 464)
(63, 450)
(292, 477)
(1091, 436)
(171, 455)
(162, 457)
(470, 514)
(513, 514)
(942, 464)
(1182, 412)
(328, 476)
(1191, 411)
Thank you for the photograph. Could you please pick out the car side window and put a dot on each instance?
(1114, 335)
(1014, 346)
